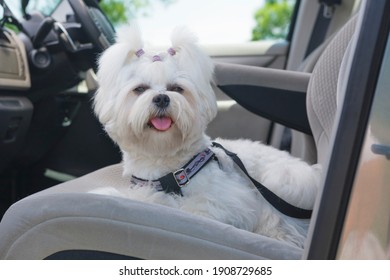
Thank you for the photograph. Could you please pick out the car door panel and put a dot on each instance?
(233, 120)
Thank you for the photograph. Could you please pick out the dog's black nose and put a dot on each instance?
(161, 100)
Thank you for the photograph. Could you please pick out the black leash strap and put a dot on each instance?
(277, 202)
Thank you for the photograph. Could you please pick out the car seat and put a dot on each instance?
(68, 222)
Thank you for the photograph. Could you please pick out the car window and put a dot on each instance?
(43, 6)
(366, 233)
(214, 22)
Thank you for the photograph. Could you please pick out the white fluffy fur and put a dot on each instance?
(218, 191)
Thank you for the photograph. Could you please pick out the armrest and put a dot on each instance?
(278, 95)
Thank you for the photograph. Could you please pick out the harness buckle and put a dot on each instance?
(181, 178)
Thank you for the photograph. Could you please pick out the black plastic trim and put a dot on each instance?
(293, 21)
(93, 27)
(88, 255)
(279, 105)
(15, 117)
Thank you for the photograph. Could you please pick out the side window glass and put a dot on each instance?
(366, 232)
(214, 22)
(44, 6)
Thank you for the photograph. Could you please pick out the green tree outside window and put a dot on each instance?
(273, 20)
(121, 11)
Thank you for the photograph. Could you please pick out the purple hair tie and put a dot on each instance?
(156, 58)
(171, 51)
(139, 52)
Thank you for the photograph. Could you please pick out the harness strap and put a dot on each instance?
(277, 202)
(174, 181)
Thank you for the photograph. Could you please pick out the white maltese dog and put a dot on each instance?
(156, 107)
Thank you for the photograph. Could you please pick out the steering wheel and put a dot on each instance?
(94, 23)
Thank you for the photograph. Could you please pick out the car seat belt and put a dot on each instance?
(324, 17)
(276, 201)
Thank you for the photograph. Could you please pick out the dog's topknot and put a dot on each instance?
(185, 44)
(188, 55)
(181, 37)
(131, 36)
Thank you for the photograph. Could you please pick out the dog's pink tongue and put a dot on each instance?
(161, 124)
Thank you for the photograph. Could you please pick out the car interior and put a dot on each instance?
(287, 94)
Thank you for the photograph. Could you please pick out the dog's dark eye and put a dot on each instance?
(140, 89)
(176, 88)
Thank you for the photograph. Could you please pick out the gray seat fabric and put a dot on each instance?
(303, 145)
(321, 99)
(68, 217)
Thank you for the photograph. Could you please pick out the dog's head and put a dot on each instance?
(156, 102)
